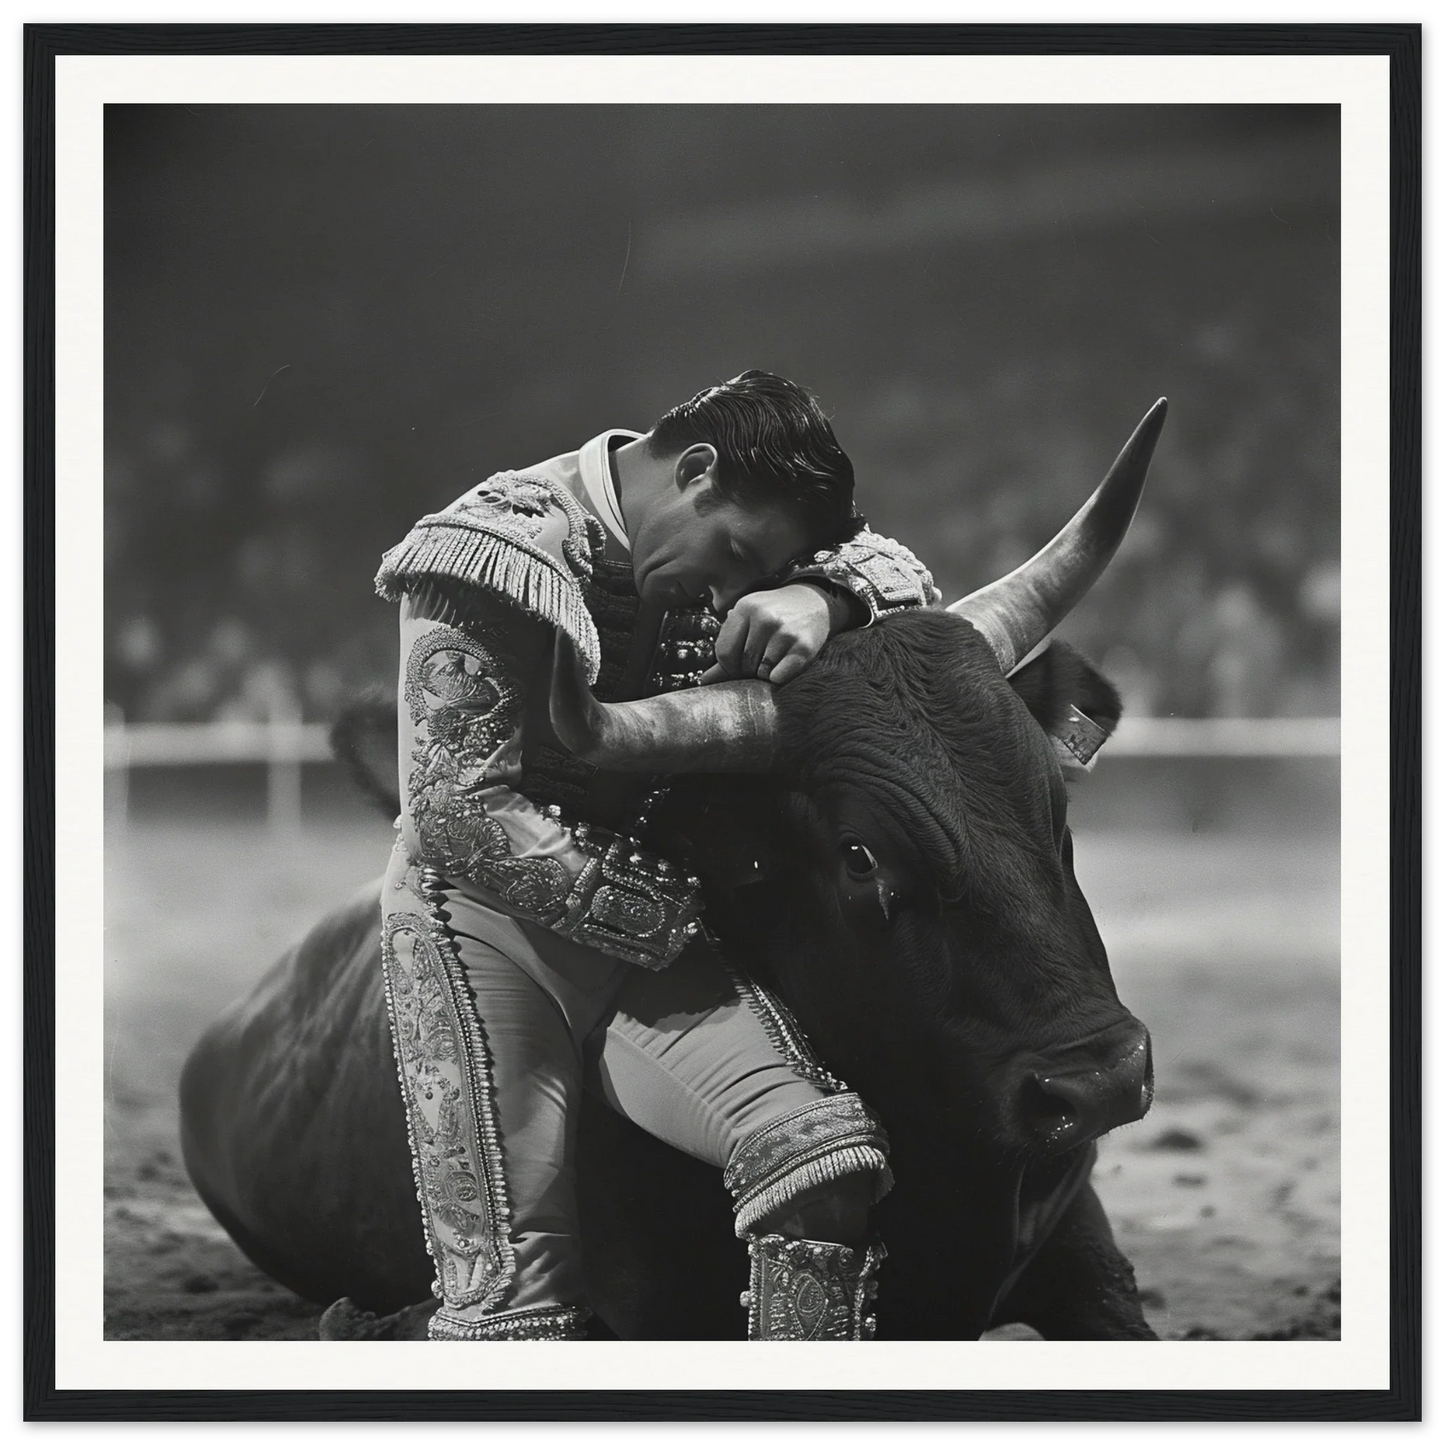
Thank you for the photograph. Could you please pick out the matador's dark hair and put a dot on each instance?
(775, 446)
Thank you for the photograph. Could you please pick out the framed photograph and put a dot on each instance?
(1090, 864)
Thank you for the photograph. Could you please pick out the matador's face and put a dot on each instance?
(696, 548)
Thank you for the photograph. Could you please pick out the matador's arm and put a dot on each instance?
(477, 620)
(775, 632)
(877, 573)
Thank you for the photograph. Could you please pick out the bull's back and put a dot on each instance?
(292, 1125)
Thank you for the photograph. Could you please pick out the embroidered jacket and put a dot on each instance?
(489, 800)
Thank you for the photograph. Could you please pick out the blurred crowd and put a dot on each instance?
(288, 388)
(1224, 601)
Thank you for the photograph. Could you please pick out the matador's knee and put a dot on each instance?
(802, 1185)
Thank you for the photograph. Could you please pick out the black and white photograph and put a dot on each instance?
(337, 331)
(722, 722)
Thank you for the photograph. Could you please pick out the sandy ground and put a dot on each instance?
(1226, 1197)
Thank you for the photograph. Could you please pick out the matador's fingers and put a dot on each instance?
(787, 667)
(731, 639)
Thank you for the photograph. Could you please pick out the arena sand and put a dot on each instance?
(1226, 1196)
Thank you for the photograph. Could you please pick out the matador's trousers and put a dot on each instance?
(498, 1025)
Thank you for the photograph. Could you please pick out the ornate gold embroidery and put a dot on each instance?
(510, 496)
(881, 573)
(466, 709)
(537, 1322)
(456, 685)
(785, 1035)
(800, 1151)
(445, 1074)
(631, 904)
(685, 650)
(802, 1289)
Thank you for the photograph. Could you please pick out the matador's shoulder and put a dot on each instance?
(519, 536)
(881, 573)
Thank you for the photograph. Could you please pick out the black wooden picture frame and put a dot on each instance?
(43, 1401)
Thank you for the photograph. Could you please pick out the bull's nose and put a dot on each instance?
(1080, 1099)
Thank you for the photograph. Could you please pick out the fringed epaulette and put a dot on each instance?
(522, 537)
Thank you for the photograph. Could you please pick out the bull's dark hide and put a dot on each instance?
(958, 983)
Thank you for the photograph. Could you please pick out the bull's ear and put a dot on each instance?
(1071, 700)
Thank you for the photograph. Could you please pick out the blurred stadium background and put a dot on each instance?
(323, 321)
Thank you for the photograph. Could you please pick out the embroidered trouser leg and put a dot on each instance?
(714, 1066)
(496, 1021)
(536, 998)
(685, 1055)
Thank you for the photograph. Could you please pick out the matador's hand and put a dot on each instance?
(775, 635)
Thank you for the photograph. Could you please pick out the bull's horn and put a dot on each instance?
(1018, 612)
(727, 727)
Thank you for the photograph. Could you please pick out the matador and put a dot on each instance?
(532, 947)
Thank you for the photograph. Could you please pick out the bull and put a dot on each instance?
(896, 866)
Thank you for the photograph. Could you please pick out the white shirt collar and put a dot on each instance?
(596, 471)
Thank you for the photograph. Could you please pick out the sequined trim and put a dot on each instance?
(629, 903)
(881, 573)
(784, 1034)
(805, 1289)
(803, 1150)
(444, 1068)
(686, 649)
(612, 602)
(539, 1322)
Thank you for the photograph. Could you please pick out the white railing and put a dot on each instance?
(1225, 737)
(290, 742)
(284, 744)
(170, 745)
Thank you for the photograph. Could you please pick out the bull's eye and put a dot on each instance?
(859, 862)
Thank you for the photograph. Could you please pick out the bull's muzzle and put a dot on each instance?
(1084, 1092)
